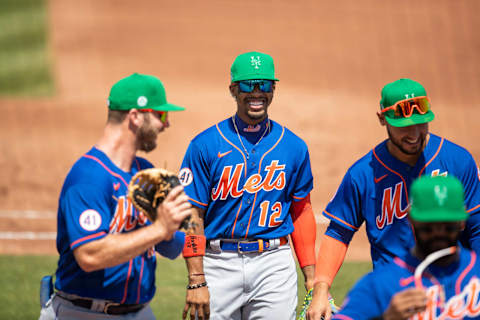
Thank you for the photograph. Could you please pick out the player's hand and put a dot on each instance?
(172, 211)
(198, 302)
(320, 306)
(406, 304)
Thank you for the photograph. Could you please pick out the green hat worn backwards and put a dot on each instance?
(399, 90)
(437, 199)
(253, 66)
(140, 91)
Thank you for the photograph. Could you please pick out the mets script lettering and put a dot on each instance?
(125, 218)
(464, 304)
(391, 206)
(229, 183)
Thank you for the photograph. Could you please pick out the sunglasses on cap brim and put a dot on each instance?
(162, 114)
(405, 108)
(249, 85)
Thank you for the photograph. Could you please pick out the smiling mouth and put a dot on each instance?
(256, 104)
(412, 142)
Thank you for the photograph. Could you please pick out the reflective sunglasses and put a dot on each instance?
(162, 114)
(249, 85)
(445, 227)
(404, 108)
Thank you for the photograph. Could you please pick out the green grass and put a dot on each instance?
(21, 279)
(24, 58)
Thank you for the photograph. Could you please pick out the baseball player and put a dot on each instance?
(375, 189)
(107, 248)
(249, 179)
(449, 287)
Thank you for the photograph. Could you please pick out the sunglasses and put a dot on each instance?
(445, 227)
(161, 114)
(404, 108)
(249, 85)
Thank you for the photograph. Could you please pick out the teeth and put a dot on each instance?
(256, 103)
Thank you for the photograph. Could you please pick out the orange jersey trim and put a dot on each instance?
(340, 220)
(476, 207)
(245, 172)
(434, 156)
(259, 169)
(125, 291)
(140, 280)
(95, 235)
(458, 284)
(198, 202)
(395, 172)
(298, 198)
(116, 175)
(231, 143)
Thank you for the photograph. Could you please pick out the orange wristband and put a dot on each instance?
(194, 245)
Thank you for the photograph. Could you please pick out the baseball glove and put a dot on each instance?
(148, 188)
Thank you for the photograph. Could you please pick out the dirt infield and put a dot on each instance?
(332, 59)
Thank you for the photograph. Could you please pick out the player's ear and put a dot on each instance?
(381, 118)
(135, 118)
(233, 89)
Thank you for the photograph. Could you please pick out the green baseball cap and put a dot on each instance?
(140, 91)
(403, 89)
(437, 199)
(253, 66)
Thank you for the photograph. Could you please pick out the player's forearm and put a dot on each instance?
(194, 261)
(195, 267)
(330, 258)
(321, 288)
(115, 249)
(309, 276)
(305, 231)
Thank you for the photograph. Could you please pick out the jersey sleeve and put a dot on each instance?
(87, 214)
(304, 180)
(194, 176)
(361, 302)
(470, 178)
(338, 232)
(471, 184)
(345, 207)
(173, 247)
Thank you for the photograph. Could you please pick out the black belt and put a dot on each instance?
(110, 307)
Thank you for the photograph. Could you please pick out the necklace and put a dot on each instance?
(240, 138)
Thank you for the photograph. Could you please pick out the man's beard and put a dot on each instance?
(146, 137)
(398, 144)
(431, 245)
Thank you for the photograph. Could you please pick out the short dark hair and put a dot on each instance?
(116, 116)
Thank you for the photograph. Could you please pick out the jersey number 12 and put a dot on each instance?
(276, 212)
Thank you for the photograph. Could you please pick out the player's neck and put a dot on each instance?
(410, 159)
(119, 148)
(250, 121)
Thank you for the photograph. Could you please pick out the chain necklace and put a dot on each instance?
(240, 139)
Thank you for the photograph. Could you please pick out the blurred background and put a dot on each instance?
(59, 58)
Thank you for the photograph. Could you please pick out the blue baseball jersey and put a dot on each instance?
(246, 194)
(93, 203)
(452, 291)
(375, 191)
